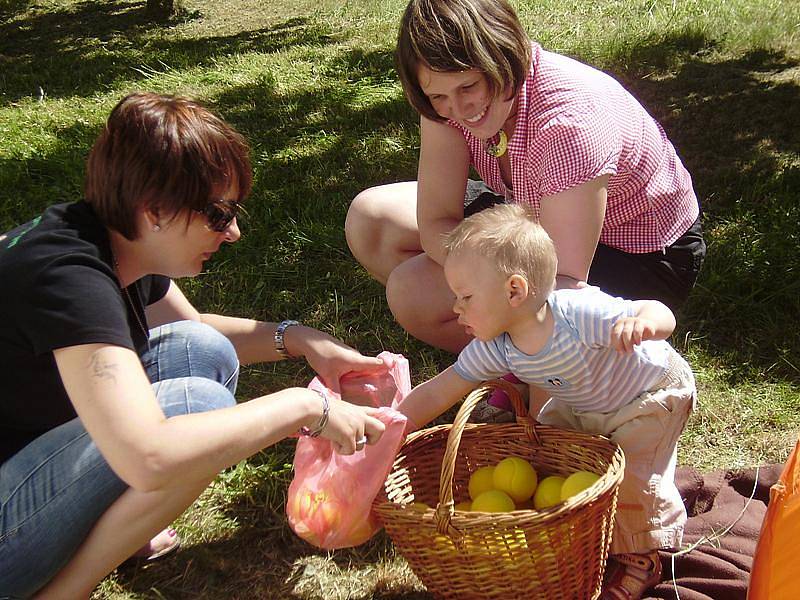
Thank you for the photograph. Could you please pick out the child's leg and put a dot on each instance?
(650, 511)
(537, 399)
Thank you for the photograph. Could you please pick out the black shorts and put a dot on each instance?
(668, 275)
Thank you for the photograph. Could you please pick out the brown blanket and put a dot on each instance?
(719, 570)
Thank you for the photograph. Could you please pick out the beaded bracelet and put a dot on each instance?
(323, 420)
(280, 345)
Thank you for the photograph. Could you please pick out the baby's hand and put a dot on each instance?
(631, 331)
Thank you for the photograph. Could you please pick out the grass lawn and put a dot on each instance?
(312, 86)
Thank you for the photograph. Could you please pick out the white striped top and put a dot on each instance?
(576, 365)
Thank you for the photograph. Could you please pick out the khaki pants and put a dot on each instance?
(650, 512)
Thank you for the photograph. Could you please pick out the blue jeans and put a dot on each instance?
(56, 488)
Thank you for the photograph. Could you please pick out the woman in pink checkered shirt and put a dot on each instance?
(539, 128)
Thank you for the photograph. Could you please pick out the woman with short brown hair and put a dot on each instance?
(118, 402)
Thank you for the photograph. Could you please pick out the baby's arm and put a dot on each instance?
(430, 399)
(652, 321)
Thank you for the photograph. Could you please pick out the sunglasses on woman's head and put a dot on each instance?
(220, 213)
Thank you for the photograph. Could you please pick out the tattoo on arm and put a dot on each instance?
(102, 369)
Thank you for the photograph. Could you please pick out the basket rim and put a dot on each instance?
(526, 426)
(606, 482)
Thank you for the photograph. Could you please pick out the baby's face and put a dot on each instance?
(480, 298)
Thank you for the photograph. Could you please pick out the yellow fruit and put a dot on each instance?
(418, 506)
(481, 481)
(516, 477)
(493, 501)
(329, 513)
(548, 492)
(441, 540)
(465, 506)
(362, 531)
(577, 482)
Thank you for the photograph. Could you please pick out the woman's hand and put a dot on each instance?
(350, 427)
(329, 357)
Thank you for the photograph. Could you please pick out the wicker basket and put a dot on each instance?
(555, 553)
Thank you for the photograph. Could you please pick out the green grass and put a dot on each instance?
(312, 86)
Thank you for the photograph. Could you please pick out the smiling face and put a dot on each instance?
(465, 97)
(481, 301)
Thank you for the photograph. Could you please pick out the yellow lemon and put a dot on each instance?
(444, 541)
(577, 482)
(493, 501)
(516, 477)
(465, 506)
(418, 506)
(480, 481)
(548, 492)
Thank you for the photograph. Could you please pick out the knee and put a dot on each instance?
(360, 225)
(189, 395)
(194, 349)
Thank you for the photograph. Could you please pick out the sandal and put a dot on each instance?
(163, 544)
(631, 576)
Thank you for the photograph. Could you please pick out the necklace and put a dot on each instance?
(497, 150)
(129, 301)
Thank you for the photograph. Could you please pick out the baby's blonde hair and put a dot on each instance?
(509, 236)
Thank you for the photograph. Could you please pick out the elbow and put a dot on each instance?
(148, 472)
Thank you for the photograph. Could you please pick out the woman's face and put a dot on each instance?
(464, 96)
(190, 245)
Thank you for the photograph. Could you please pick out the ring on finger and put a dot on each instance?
(361, 442)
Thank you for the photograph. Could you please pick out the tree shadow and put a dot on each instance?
(9, 8)
(733, 122)
(113, 41)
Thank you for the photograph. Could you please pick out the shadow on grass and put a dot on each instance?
(88, 47)
(265, 560)
(733, 122)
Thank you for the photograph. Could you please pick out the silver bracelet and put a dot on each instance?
(280, 346)
(323, 420)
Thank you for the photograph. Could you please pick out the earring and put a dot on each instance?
(156, 227)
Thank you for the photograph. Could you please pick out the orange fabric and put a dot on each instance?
(774, 574)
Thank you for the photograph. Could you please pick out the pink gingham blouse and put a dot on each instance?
(574, 124)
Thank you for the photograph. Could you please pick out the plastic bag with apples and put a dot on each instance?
(329, 502)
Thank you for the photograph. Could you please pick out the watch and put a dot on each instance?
(280, 346)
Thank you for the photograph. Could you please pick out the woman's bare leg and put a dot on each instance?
(422, 303)
(382, 233)
(381, 227)
(125, 527)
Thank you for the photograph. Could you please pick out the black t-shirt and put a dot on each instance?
(58, 290)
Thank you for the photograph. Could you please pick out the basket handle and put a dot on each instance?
(446, 507)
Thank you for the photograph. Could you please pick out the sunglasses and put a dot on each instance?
(220, 213)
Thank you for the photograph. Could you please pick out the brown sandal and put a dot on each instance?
(631, 576)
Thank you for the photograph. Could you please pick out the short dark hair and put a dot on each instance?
(458, 35)
(167, 153)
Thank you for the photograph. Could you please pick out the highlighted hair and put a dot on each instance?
(509, 236)
(459, 35)
(164, 153)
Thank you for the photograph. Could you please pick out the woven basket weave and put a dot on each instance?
(555, 553)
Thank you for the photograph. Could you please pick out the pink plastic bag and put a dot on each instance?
(384, 389)
(330, 498)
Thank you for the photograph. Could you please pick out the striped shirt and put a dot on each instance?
(576, 365)
(574, 124)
